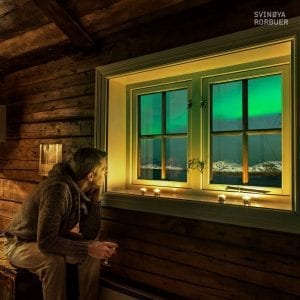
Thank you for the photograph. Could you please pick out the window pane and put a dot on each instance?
(176, 159)
(265, 160)
(150, 159)
(151, 114)
(227, 159)
(176, 111)
(264, 102)
(227, 106)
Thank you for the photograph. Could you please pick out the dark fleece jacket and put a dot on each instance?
(53, 210)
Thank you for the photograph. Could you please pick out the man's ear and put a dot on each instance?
(90, 176)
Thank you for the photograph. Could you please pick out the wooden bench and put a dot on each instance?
(16, 283)
(20, 284)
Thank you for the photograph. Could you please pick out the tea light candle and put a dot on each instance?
(143, 191)
(221, 198)
(156, 192)
(247, 200)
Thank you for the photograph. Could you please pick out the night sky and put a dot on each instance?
(264, 98)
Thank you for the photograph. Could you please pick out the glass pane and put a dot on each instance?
(265, 160)
(177, 111)
(176, 156)
(150, 159)
(226, 159)
(264, 102)
(227, 106)
(150, 114)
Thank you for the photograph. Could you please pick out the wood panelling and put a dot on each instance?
(193, 264)
(45, 35)
(28, 149)
(49, 89)
(48, 85)
(66, 23)
(19, 16)
(52, 129)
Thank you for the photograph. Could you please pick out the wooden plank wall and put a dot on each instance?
(201, 260)
(54, 103)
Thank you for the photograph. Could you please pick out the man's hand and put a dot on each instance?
(94, 194)
(102, 250)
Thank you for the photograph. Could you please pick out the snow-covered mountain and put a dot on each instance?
(156, 167)
(270, 167)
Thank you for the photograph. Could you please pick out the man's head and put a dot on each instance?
(89, 164)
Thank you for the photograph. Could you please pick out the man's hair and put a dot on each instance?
(85, 160)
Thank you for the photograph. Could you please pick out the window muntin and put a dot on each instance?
(162, 135)
(246, 131)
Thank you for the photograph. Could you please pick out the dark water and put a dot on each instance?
(181, 175)
(172, 175)
(255, 180)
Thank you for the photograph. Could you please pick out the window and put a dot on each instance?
(160, 133)
(248, 119)
(245, 135)
(203, 129)
(162, 130)
(235, 137)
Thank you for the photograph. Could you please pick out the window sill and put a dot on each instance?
(206, 208)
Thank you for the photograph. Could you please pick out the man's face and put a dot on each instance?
(99, 174)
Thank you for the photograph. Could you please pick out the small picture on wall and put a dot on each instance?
(50, 154)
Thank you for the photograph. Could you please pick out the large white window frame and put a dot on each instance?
(270, 68)
(133, 91)
(114, 78)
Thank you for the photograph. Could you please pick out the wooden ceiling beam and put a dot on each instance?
(21, 19)
(66, 23)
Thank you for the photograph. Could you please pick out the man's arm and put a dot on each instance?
(90, 222)
(54, 203)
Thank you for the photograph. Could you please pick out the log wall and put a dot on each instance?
(53, 102)
(202, 260)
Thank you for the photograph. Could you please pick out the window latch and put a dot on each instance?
(203, 103)
(190, 104)
(196, 164)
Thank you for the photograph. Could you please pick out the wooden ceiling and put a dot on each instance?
(34, 31)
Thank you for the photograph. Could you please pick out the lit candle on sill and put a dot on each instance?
(143, 191)
(247, 200)
(221, 198)
(156, 192)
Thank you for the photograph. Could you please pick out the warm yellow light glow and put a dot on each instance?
(247, 200)
(143, 190)
(156, 192)
(221, 198)
(208, 63)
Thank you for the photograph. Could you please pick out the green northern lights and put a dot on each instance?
(163, 127)
(264, 103)
(264, 98)
(151, 112)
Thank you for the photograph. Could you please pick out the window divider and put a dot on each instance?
(245, 128)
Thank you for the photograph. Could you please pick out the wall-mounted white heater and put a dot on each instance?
(2, 123)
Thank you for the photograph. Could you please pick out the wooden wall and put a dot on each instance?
(50, 103)
(203, 260)
(53, 102)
